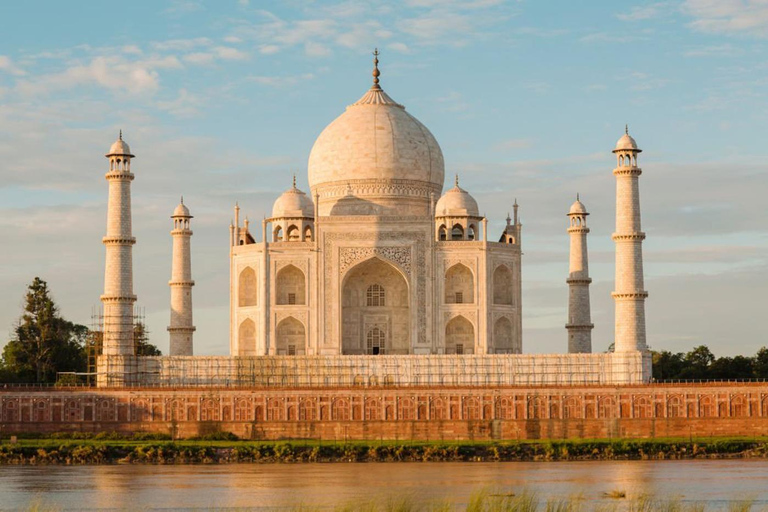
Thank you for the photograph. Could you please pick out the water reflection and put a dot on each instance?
(131, 487)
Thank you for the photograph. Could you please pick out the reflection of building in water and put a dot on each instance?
(377, 260)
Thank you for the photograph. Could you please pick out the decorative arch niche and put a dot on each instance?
(291, 337)
(459, 285)
(459, 336)
(247, 288)
(247, 337)
(502, 286)
(290, 286)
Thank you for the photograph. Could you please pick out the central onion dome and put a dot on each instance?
(375, 159)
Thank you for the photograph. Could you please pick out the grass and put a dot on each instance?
(111, 447)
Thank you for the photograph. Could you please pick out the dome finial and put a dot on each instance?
(456, 180)
(626, 129)
(182, 199)
(120, 136)
(376, 72)
(577, 196)
(294, 180)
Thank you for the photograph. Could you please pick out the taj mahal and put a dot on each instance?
(376, 276)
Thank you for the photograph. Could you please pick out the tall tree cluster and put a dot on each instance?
(43, 343)
(701, 363)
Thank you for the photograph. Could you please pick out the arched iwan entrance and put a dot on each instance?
(375, 310)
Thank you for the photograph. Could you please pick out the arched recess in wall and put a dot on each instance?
(292, 234)
(247, 337)
(502, 336)
(502, 286)
(459, 336)
(375, 300)
(459, 285)
(291, 337)
(291, 286)
(247, 289)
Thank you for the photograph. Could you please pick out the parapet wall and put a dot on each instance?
(419, 413)
(382, 370)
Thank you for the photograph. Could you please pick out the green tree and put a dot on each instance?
(43, 343)
(141, 340)
(667, 365)
(760, 364)
(697, 363)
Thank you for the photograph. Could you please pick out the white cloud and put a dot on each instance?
(280, 81)
(729, 16)
(199, 58)
(181, 44)
(314, 49)
(113, 73)
(645, 12)
(399, 47)
(229, 53)
(269, 49)
(131, 49)
(722, 50)
(7, 65)
(185, 105)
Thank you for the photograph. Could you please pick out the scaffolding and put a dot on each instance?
(94, 344)
(375, 370)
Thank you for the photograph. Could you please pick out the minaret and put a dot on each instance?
(181, 283)
(579, 324)
(630, 294)
(118, 295)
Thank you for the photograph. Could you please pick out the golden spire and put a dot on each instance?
(376, 72)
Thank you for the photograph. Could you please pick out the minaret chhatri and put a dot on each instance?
(118, 295)
(181, 283)
(579, 324)
(630, 293)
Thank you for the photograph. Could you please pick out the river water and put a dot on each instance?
(269, 486)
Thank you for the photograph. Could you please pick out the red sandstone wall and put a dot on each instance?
(399, 413)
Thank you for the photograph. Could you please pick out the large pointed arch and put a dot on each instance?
(375, 307)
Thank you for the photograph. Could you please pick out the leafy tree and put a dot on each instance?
(43, 342)
(760, 363)
(667, 365)
(141, 340)
(697, 363)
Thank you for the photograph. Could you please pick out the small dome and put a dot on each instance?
(293, 203)
(181, 210)
(457, 201)
(578, 208)
(120, 147)
(626, 142)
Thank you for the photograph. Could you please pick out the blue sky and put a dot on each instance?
(221, 101)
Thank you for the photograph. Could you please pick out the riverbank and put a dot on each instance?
(112, 449)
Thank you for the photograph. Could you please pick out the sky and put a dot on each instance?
(221, 102)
